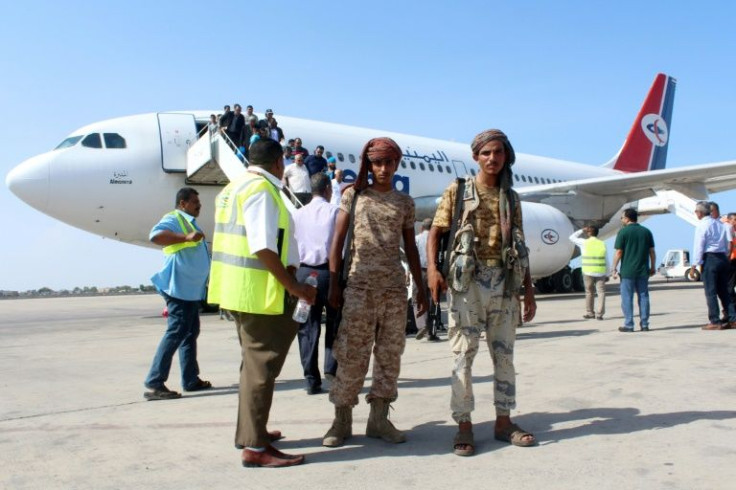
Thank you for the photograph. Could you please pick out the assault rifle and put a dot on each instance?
(444, 249)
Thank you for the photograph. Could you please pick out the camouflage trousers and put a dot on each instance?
(485, 306)
(371, 320)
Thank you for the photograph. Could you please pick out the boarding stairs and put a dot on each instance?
(211, 160)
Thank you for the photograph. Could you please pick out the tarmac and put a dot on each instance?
(611, 410)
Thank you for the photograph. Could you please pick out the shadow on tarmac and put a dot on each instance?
(435, 437)
(592, 421)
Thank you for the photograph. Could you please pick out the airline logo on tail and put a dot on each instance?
(654, 128)
(645, 147)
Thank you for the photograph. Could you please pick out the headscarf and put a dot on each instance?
(376, 149)
(482, 139)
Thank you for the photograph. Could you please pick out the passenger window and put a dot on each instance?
(340, 157)
(472, 172)
(421, 166)
(351, 157)
(523, 178)
(92, 141)
(431, 167)
(328, 154)
(449, 171)
(114, 140)
(403, 163)
(536, 180)
(439, 168)
(70, 141)
(413, 165)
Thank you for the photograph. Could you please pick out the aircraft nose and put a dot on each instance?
(29, 181)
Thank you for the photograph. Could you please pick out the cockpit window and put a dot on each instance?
(114, 140)
(92, 141)
(70, 141)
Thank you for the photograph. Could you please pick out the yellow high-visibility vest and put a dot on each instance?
(594, 256)
(186, 228)
(238, 279)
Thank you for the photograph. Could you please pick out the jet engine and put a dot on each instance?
(546, 230)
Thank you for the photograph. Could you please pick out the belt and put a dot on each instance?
(491, 262)
(324, 266)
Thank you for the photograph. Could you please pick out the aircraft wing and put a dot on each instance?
(597, 199)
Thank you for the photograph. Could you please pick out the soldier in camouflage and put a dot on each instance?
(374, 300)
(487, 266)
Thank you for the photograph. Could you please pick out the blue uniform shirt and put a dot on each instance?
(184, 274)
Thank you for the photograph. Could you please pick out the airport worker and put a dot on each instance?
(634, 245)
(594, 268)
(374, 299)
(314, 226)
(181, 282)
(296, 178)
(711, 251)
(488, 266)
(254, 257)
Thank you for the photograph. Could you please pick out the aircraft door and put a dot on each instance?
(460, 169)
(178, 133)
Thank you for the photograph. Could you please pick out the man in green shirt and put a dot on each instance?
(634, 245)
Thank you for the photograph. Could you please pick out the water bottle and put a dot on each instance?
(301, 312)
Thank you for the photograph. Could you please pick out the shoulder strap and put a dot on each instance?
(348, 242)
(457, 211)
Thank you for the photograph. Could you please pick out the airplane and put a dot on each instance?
(115, 178)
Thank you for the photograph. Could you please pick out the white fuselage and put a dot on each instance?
(121, 192)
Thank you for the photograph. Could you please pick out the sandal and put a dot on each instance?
(464, 442)
(199, 386)
(516, 436)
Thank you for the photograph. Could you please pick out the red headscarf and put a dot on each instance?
(376, 149)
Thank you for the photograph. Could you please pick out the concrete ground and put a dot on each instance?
(611, 410)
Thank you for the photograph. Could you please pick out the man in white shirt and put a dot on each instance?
(296, 178)
(314, 227)
(337, 186)
(421, 240)
(711, 250)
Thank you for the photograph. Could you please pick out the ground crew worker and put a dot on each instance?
(594, 268)
(254, 256)
(182, 283)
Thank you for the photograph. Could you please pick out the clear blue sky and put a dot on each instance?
(563, 79)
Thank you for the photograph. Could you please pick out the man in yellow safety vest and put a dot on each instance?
(254, 257)
(595, 270)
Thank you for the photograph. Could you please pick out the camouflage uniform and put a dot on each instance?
(374, 308)
(485, 306)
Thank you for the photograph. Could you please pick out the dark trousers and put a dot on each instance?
(309, 331)
(181, 333)
(732, 282)
(265, 341)
(716, 273)
(235, 137)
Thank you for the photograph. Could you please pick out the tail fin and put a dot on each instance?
(646, 145)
